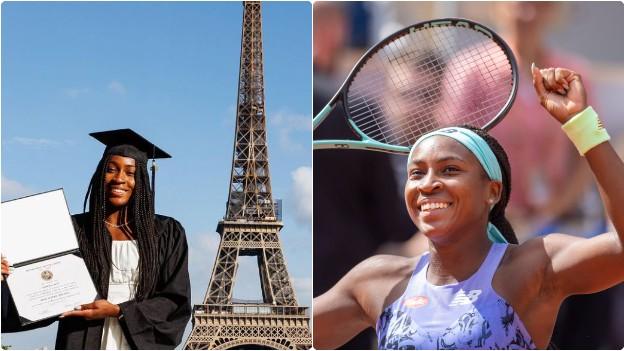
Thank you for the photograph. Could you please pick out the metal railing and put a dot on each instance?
(251, 309)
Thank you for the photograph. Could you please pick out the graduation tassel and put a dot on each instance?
(153, 169)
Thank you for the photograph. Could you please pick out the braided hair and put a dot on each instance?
(94, 239)
(497, 214)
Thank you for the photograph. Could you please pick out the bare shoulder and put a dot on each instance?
(539, 247)
(531, 255)
(530, 262)
(379, 280)
(383, 267)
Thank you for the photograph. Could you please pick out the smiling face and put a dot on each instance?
(447, 192)
(119, 180)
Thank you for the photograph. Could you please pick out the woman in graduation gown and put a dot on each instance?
(138, 260)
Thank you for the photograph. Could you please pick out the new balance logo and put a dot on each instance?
(465, 299)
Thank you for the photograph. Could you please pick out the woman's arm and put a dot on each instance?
(338, 316)
(357, 300)
(577, 265)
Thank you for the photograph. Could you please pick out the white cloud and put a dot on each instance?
(40, 143)
(75, 92)
(34, 141)
(302, 194)
(203, 248)
(291, 121)
(12, 189)
(117, 87)
(285, 124)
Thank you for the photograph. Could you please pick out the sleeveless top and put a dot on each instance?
(121, 288)
(463, 315)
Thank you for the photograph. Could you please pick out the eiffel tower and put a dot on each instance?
(250, 228)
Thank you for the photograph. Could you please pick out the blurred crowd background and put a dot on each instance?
(358, 196)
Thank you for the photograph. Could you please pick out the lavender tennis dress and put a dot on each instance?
(463, 315)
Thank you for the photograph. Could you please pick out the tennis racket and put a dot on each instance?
(430, 75)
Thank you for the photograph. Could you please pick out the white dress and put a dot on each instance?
(121, 287)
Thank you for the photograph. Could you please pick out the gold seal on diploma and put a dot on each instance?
(47, 275)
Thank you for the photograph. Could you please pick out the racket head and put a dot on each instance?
(430, 75)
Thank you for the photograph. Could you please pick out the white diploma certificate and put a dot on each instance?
(38, 238)
(50, 287)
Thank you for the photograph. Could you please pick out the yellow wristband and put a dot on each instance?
(585, 130)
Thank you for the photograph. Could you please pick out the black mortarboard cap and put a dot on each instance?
(120, 137)
(127, 136)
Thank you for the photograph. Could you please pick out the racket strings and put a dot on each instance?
(392, 109)
(462, 72)
(407, 88)
(428, 126)
(363, 102)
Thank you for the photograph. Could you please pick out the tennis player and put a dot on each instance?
(476, 287)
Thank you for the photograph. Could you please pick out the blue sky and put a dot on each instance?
(170, 72)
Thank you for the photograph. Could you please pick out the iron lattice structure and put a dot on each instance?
(250, 228)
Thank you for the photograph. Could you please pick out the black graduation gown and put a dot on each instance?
(157, 322)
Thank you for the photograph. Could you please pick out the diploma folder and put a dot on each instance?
(49, 275)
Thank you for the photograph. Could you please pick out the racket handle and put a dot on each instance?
(320, 117)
